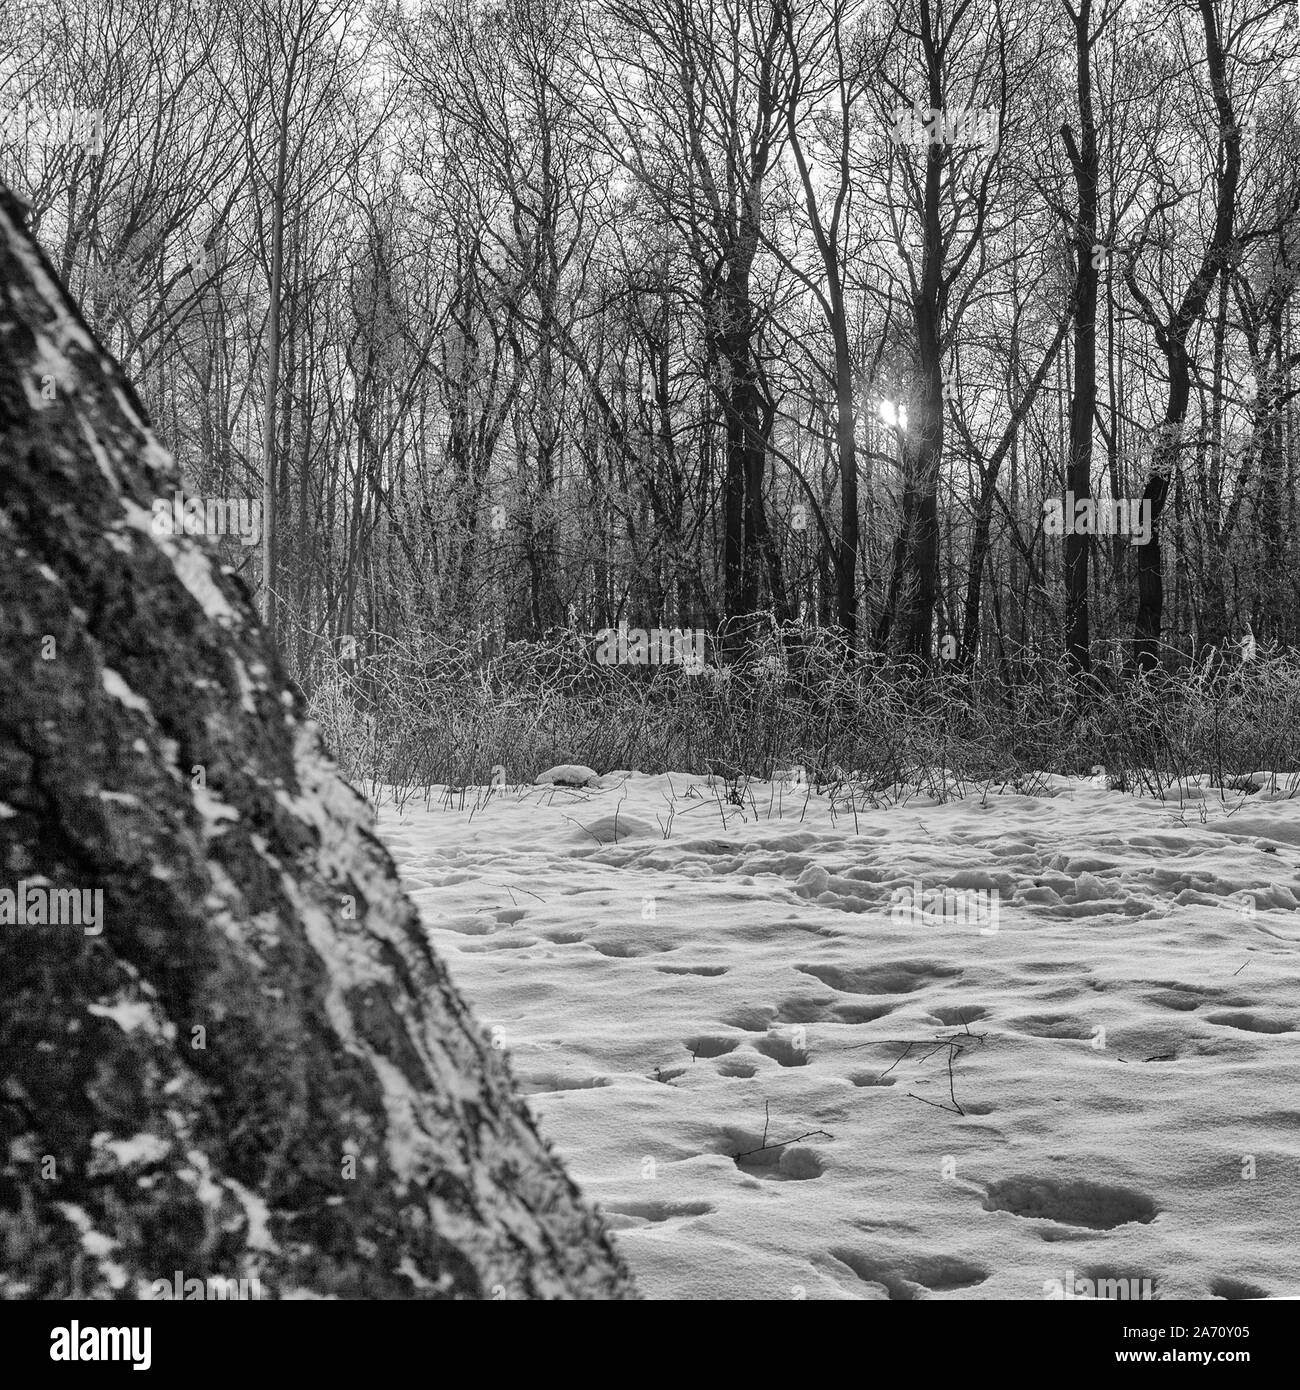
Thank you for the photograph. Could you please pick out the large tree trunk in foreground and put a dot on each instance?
(253, 1065)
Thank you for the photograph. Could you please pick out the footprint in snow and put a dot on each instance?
(1249, 1022)
(899, 977)
(906, 1277)
(1099, 1206)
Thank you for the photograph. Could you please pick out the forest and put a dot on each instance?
(948, 340)
(652, 649)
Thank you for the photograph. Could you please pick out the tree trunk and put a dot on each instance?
(249, 990)
(1083, 401)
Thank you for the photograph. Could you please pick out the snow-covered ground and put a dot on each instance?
(675, 977)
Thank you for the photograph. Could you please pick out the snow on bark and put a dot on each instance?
(257, 1067)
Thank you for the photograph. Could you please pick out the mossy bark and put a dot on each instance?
(258, 1066)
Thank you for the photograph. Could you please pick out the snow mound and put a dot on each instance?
(566, 775)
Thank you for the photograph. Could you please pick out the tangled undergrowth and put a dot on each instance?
(420, 713)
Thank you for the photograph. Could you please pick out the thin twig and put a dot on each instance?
(811, 1134)
(584, 829)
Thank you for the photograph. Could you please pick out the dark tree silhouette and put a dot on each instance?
(251, 1063)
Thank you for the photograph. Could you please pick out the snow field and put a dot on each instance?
(777, 1084)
